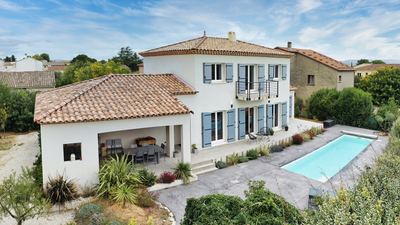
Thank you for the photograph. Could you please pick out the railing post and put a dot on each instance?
(277, 89)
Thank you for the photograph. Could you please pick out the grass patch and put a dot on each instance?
(5, 145)
(20, 144)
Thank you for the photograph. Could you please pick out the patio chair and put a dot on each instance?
(110, 146)
(264, 133)
(118, 145)
(152, 156)
(133, 145)
(145, 144)
(139, 157)
(163, 150)
(251, 138)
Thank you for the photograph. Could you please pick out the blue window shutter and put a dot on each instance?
(284, 71)
(269, 116)
(261, 77)
(207, 73)
(206, 129)
(242, 78)
(290, 106)
(229, 72)
(242, 123)
(260, 117)
(284, 114)
(231, 125)
(271, 71)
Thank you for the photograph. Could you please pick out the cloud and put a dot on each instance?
(307, 5)
(11, 6)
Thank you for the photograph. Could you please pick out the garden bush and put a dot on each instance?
(147, 178)
(221, 165)
(61, 189)
(297, 139)
(305, 136)
(298, 102)
(252, 154)
(167, 177)
(97, 218)
(87, 211)
(37, 166)
(297, 112)
(264, 151)
(145, 198)
(243, 159)
(310, 133)
(276, 148)
(113, 222)
(183, 171)
(233, 159)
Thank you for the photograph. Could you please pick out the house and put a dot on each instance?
(29, 80)
(56, 66)
(311, 71)
(207, 91)
(27, 64)
(366, 70)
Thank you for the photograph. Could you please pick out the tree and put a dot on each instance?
(37, 57)
(378, 62)
(45, 56)
(127, 57)
(13, 59)
(21, 199)
(361, 61)
(382, 85)
(7, 59)
(3, 118)
(68, 77)
(356, 80)
(83, 58)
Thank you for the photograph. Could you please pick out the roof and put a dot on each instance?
(56, 63)
(293, 88)
(323, 59)
(375, 67)
(216, 46)
(29, 79)
(112, 97)
(140, 65)
(55, 68)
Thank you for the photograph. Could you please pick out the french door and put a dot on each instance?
(217, 124)
(250, 77)
(249, 120)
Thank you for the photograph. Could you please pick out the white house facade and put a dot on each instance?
(23, 65)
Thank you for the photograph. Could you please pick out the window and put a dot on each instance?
(74, 148)
(359, 74)
(366, 74)
(249, 120)
(216, 72)
(276, 71)
(275, 117)
(217, 126)
(250, 77)
(340, 78)
(311, 80)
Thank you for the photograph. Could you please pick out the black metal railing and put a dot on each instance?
(257, 89)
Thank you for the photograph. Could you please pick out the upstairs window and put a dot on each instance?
(276, 71)
(216, 72)
(340, 78)
(311, 80)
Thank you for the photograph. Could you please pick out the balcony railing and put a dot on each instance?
(251, 91)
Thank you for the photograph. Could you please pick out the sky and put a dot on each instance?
(99, 28)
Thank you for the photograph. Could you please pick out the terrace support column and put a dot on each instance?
(185, 143)
(171, 141)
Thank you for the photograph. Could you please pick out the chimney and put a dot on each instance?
(204, 33)
(232, 36)
(289, 45)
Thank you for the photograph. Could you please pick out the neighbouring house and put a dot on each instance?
(56, 66)
(29, 80)
(311, 71)
(207, 91)
(1, 63)
(140, 65)
(369, 69)
(26, 64)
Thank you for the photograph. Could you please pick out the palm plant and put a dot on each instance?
(183, 171)
(60, 189)
(124, 194)
(233, 159)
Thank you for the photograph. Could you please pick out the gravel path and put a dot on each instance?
(24, 155)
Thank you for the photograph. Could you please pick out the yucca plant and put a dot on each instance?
(113, 174)
(60, 189)
(233, 159)
(124, 194)
(183, 171)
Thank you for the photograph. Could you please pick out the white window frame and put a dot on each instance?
(223, 125)
(223, 73)
(277, 72)
(275, 106)
(255, 76)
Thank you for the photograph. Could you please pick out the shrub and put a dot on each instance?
(97, 218)
(183, 171)
(316, 131)
(124, 194)
(305, 136)
(310, 133)
(297, 112)
(243, 159)
(87, 211)
(113, 174)
(60, 189)
(147, 178)
(167, 177)
(297, 139)
(387, 114)
(298, 102)
(233, 159)
(276, 148)
(221, 165)
(264, 151)
(145, 198)
(150, 221)
(252, 154)
(87, 191)
(113, 222)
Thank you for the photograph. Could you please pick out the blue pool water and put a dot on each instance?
(328, 159)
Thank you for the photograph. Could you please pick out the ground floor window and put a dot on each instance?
(74, 148)
(275, 117)
(249, 120)
(217, 124)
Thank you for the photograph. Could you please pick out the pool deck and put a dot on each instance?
(293, 187)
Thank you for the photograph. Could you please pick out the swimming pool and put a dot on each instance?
(329, 159)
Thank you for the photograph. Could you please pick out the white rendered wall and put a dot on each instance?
(1, 63)
(55, 135)
(28, 64)
(216, 96)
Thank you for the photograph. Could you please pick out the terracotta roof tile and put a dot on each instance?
(115, 96)
(55, 68)
(293, 88)
(29, 79)
(323, 59)
(375, 67)
(216, 46)
(56, 63)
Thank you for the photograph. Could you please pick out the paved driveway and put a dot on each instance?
(293, 187)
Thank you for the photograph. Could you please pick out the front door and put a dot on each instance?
(217, 125)
(249, 120)
(275, 116)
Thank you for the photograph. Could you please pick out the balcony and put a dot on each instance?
(254, 91)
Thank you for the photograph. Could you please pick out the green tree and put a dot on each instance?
(128, 57)
(361, 61)
(45, 56)
(7, 59)
(13, 59)
(21, 199)
(378, 62)
(68, 77)
(356, 80)
(83, 58)
(3, 118)
(37, 57)
(382, 85)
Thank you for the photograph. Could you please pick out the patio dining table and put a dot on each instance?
(132, 151)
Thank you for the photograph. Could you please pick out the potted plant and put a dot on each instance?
(272, 132)
(194, 149)
(176, 154)
(286, 127)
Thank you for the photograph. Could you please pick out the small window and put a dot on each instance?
(311, 80)
(366, 74)
(359, 74)
(276, 71)
(340, 78)
(216, 72)
(74, 148)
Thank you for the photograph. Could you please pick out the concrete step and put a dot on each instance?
(197, 169)
(194, 165)
(206, 171)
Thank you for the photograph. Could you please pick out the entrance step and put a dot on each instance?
(204, 168)
(206, 171)
(194, 165)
